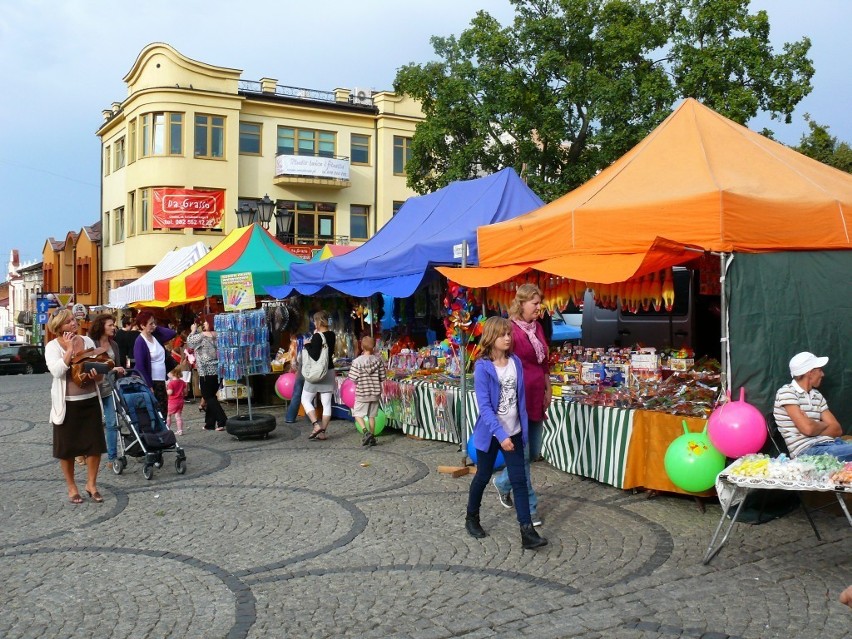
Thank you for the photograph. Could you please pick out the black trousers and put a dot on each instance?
(215, 414)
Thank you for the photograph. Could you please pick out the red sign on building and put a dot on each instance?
(187, 208)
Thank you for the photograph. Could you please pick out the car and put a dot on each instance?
(23, 359)
(565, 327)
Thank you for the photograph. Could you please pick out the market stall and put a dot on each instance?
(400, 257)
(173, 263)
(701, 183)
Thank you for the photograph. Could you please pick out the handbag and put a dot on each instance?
(315, 370)
(91, 359)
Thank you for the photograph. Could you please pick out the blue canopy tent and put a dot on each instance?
(397, 259)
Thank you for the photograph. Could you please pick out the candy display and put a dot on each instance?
(816, 469)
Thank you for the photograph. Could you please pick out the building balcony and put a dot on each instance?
(316, 241)
(313, 170)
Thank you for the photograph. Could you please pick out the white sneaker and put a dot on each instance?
(536, 520)
(505, 498)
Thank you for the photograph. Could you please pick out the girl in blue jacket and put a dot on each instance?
(502, 424)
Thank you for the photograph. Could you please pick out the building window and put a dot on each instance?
(314, 221)
(131, 213)
(396, 206)
(401, 154)
(118, 154)
(250, 138)
(359, 216)
(162, 134)
(83, 275)
(107, 160)
(119, 224)
(360, 149)
(131, 141)
(144, 210)
(293, 141)
(209, 136)
(105, 229)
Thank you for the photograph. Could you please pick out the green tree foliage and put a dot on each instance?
(572, 85)
(820, 145)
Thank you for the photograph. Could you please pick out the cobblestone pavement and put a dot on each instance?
(287, 537)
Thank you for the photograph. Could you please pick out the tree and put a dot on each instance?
(820, 145)
(573, 84)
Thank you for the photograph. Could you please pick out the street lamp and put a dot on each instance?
(283, 219)
(245, 215)
(264, 210)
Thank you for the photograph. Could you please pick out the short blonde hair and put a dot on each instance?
(58, 319)
(524, 294)
(494, 328)
(368, 343)
(321, 319)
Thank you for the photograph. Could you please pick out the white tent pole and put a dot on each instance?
(462, 430)
(724, 262)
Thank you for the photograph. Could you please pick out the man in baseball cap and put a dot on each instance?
(801, 412)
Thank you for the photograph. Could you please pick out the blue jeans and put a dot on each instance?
(293, 409)
(839, 448)
(502, 481)
(111, 424)
(514, 467)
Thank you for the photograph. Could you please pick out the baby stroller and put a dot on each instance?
(143, 432)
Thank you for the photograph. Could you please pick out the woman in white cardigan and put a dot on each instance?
(75, 411)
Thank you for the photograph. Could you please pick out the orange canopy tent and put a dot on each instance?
(698, 182)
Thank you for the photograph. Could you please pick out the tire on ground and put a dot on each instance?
(242, 427)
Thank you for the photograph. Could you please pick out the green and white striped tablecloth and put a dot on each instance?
(590, 441)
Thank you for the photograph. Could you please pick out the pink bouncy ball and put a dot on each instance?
(347, 393)
(737, 428)
(284, 385)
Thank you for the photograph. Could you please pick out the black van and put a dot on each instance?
(661, 329)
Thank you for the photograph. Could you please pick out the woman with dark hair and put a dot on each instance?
(102, 331)
(75, 412)
(149, 356)
(530, 345)
(203, 344)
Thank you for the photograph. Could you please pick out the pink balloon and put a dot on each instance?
(347, 393)
(284, 385)
(737, 428)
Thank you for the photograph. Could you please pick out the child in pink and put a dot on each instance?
(175, 389)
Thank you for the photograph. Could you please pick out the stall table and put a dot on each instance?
(621, 447)
(734, 489)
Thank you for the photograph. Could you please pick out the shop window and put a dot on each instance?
(359, 216)
(118, 154)
(293, 141)
(360, 149)
(401, 154)
(250, 138)
(209, 136)
(162, 134)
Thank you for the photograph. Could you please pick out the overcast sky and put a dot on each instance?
(63, 63)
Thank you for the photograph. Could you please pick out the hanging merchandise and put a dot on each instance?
(242, 339)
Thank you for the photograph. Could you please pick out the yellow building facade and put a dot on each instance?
(192, 143)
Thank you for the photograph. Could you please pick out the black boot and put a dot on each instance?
(530, 538)
(471, 523)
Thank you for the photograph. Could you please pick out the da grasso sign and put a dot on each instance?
(187, 208)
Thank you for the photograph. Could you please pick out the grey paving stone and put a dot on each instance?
(289, 538)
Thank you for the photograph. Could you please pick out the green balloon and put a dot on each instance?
(692, 463)
(381, 422)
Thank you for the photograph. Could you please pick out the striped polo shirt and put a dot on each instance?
(813, 405)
